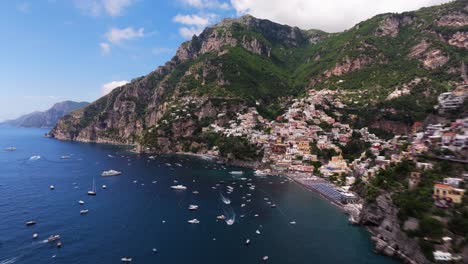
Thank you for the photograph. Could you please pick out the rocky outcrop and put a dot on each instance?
(381, 219)
(430, 58)
(348, 65)
(455, 19)
(388, 27)
(459, 39)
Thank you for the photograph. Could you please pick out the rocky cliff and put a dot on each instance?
(46, 118)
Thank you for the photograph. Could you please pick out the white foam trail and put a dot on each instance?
(225, 199)
(8, 261)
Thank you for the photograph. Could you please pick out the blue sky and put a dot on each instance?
(56, 50)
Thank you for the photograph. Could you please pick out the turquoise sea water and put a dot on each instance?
(133, 215)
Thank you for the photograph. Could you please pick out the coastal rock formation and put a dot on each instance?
(381, 219)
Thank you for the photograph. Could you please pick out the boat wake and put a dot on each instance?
(230, 216)
(8, 261)
(225, 200)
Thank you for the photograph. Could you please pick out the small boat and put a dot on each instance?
(273, 206)
(193, 207)
(30, 223)
(35, 157)
(81, 202)
(155, 250)
(195, 192)
(10, 148)
(247, 242)
(104, 186)
(178, 164)
(93, 191)
(110, 173)
(236, 172)
(260, 173)
(230, 221)
(64, 157)
(242, 205)
(193, 221)
(292, 222)
(53, 238)
(126, 260)
(265, 258)
(85, 211)
(35, 235)
(179, 187)
(258, 232)
(221, 217)
(51, 187)
(59, 244)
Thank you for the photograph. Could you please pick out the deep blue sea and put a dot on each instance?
(138, 211)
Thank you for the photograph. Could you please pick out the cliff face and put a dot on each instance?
(47, 118)
(381, 218)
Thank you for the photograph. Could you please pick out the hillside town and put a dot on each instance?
(307, 143)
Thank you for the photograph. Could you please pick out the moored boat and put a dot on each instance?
(53, 238)
(110, 173)
(179, 187)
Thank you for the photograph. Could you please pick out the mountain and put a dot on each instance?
(392, 67)
(47, 118)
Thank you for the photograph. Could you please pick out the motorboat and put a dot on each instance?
(81, 202)
(247, 242)
(193, 207)
(64, 157)
(179, 187)
(53, 238)
(126, 260)
(10, 148)
(51, 187)
(35, 235)
(236, 172)
(110, 173)
(193, 221)
(221, 217)
(30, 223)
(93, 191)
(85, 211)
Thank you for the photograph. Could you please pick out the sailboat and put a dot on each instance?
(93, 191)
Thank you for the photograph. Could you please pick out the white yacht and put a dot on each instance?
(35, 235)
(85, 211)
(81, 202)
(35, 157)
(261, 172)
(111, 173)
(193, 207)
(51, 187)
(10, 148)
(236, 172)
(179, 187)
(126, 260)
(193, 221)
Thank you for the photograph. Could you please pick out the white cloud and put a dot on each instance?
(330, 15)
(116, 35)
(193, 24)
(24, 7)
(105, 48)
(116, 7)
(108, 87)
(206, 4)
(98, 7)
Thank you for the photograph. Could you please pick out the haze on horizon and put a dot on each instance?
(81, 49)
